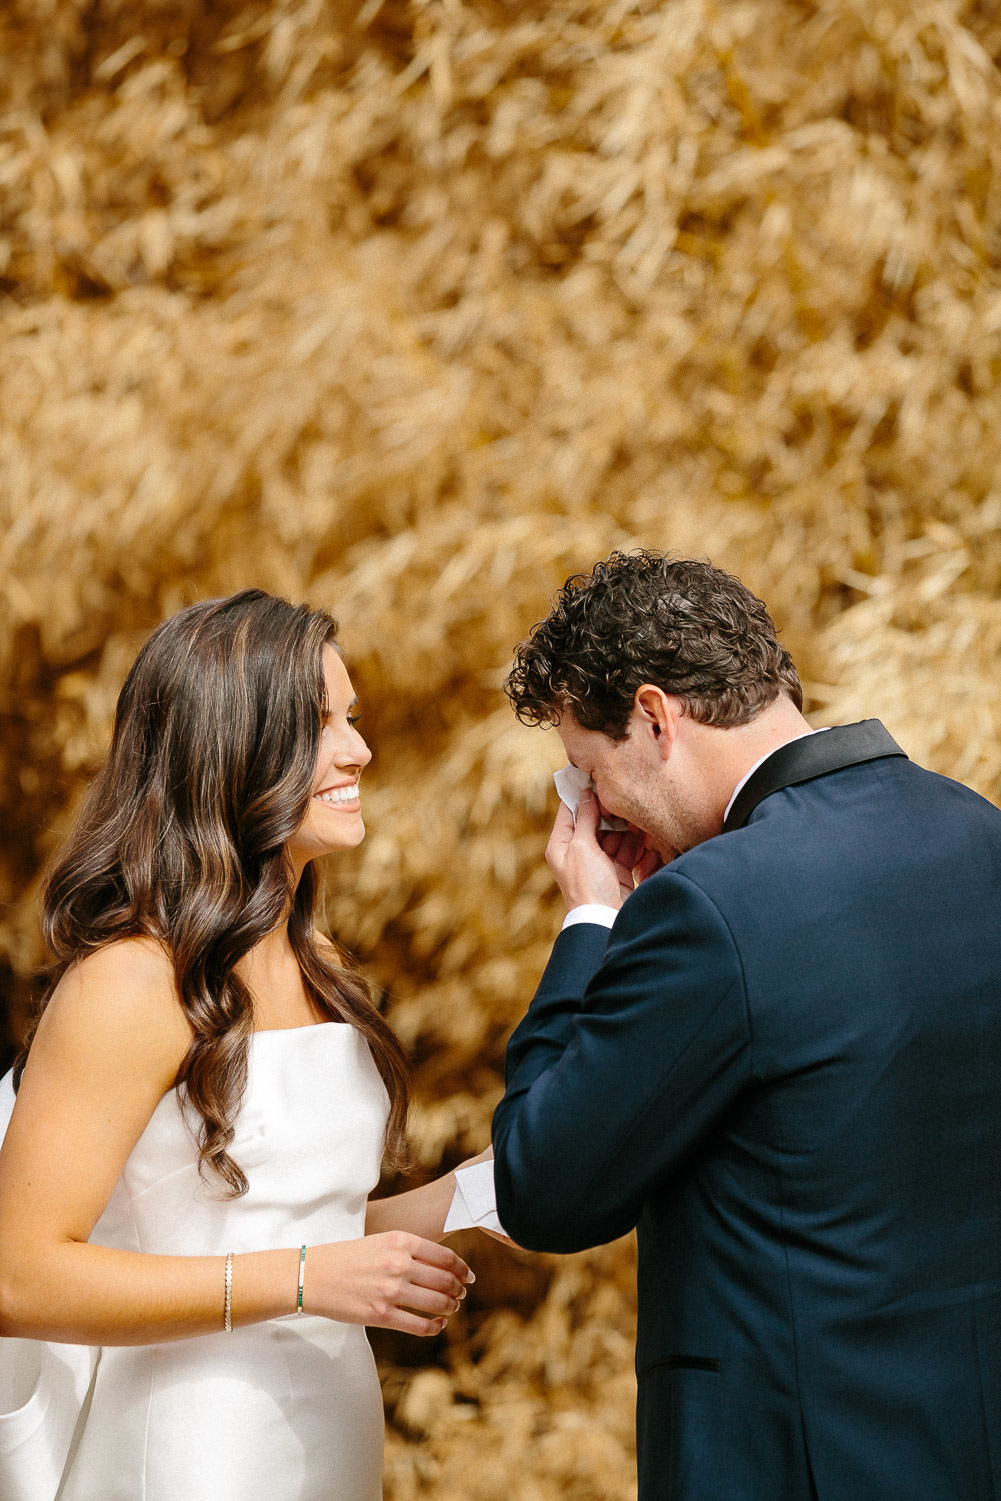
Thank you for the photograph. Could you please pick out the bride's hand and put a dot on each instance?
(390, 1281)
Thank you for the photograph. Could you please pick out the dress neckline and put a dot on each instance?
(306, 1027)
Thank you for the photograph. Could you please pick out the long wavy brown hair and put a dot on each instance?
(182, 839)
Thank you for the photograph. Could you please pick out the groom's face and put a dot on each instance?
(622, 771)
(654, 790)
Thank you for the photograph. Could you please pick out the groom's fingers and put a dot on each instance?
(649, 862)
(621, 845)
(588, 814)
(583, 871)
(559, 839)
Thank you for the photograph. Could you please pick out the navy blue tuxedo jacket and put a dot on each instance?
(782, 1066)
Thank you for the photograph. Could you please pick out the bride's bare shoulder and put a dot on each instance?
(121, 996)
(137, 969)
(107, 1049)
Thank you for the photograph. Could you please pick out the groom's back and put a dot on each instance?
(835, 1245)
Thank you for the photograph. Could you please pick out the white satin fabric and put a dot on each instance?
(288, 1410)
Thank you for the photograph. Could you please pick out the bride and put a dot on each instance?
(188, 1251)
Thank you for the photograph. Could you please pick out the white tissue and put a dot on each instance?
(473, 1204)
(570, 783)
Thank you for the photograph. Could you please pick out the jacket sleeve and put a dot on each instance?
(623, 1064)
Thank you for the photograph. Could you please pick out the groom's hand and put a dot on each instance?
(589, 866)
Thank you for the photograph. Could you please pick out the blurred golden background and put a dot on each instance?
(411, 308)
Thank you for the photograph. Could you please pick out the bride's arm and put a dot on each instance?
(106, 1050)
(422, 1211)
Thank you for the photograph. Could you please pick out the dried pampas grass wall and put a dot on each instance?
(412, 309)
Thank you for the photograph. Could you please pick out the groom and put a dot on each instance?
(778, 1058)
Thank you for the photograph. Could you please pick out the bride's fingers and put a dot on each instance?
(410, 1309)
(433, 1255)
(426, 1300)
(391, 1280)
(437, 1279)
(411, 1323)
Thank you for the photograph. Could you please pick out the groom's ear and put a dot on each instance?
(656, 716)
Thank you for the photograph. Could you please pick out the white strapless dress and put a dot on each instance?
(288, 1410)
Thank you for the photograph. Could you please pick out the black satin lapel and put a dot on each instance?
(813, 756)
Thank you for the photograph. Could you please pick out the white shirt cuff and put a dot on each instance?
(591, 912)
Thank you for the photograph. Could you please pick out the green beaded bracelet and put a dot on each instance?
(302, 1273)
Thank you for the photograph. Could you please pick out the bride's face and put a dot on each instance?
(333, 819)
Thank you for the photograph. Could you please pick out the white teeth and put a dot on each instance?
(339, 794)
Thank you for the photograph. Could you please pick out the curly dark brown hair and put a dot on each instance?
(645, 617)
